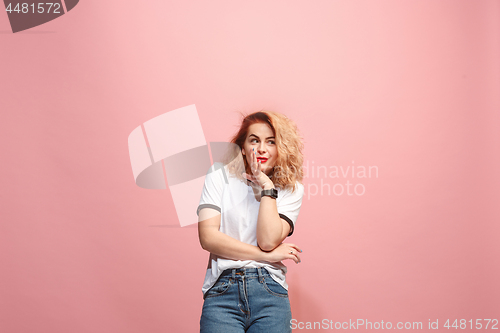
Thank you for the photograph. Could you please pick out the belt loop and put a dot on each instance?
(261, 279)
(234, 274)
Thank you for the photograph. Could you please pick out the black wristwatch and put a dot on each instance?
(273, 193)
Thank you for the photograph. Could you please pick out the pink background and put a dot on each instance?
(411, 87)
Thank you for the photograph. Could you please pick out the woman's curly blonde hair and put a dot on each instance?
(288, 168)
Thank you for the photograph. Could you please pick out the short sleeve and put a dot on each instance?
(211, 196)
(289, 204)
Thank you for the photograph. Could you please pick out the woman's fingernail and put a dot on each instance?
(300, 250)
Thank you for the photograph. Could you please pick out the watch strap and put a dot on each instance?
(273, 193)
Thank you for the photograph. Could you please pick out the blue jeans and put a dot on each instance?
(246, 300)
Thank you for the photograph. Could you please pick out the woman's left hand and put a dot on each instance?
(258, 177)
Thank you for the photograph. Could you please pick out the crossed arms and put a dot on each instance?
(271, 231)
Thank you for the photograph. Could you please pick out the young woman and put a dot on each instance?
(248, 207)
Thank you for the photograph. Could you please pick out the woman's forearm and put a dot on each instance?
(225, 246)
(269, 225)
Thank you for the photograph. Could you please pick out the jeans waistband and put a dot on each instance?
(247, 272)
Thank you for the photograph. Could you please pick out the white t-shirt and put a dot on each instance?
(239, 209)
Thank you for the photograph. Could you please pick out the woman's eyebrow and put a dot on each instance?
(271, 137)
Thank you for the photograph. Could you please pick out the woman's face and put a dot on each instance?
(260, 137)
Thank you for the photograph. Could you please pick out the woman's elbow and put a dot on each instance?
(205, 244)
(268, 246)
(268, 242)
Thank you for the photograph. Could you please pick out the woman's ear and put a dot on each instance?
(242, 151)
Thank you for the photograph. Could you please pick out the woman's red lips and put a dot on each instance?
(262, 159)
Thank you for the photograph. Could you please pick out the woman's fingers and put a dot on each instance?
(256, 170)
(247, 176)
(254, 159)
(255, 164)
(294, 253)
(295, 247)
(295, 258)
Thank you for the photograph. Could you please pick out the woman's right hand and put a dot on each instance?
(284, 251)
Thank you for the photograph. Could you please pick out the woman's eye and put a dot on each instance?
(271, 142)
(253, 140)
